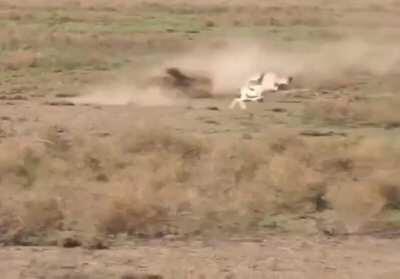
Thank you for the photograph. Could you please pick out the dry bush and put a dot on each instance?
(133, 216)
(331, 111)
(160, 139)
(298, 186)
(10, 226)
(30, 221)
(152, 181)
(356, 177)
(56, 140)
(295, 174)
(367, 183)
(227, 182)
(390, 190)
(344, 111)
(357, 203)
(41, 215)
(19, 59)
(28, 168)
(160, 166)
(19, 165)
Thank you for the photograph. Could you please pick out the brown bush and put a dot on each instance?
(159, 139)
(19, 59)
(357, 203)
(30, 222)
(41, 215)
(345, 111)
(10, 226)
(133, 216)
(154, 181)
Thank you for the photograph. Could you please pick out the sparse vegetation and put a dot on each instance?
(157, 182)
(382, 112)
(318, 161)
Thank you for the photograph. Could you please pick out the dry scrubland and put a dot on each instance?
(153, 182)
(321, 161)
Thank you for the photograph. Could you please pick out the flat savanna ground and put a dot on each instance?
(142, 180)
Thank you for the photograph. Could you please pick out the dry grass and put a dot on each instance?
(381, 112)
(20, 59)
(159, 139)
(133, 216)
(41, 216)
(154, 182)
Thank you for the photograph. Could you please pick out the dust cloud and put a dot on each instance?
(124, 95)
(231, 64)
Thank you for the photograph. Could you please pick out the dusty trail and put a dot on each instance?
(273, 257)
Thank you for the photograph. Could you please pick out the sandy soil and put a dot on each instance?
(272, 257)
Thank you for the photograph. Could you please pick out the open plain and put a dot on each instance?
(107, 172)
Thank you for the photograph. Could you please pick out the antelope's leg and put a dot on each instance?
(242, 104)
(233, 103)
(239, 101)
